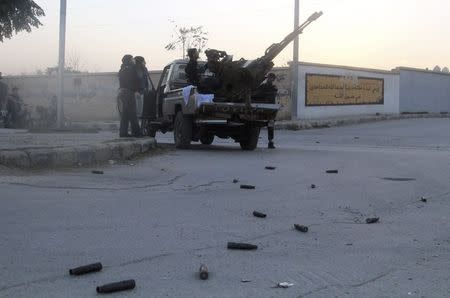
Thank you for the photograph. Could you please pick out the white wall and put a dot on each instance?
(424, 91)
(87, 96)
(95, 97)
(391, 92)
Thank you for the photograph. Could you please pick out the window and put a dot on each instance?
(179, 79)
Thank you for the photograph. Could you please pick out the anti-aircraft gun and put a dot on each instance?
(195, 115)
(238, 79)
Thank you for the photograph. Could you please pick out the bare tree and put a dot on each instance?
(73, 62)
(188, 37)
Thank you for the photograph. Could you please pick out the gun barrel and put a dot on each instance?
(315, 16)
(276, 48)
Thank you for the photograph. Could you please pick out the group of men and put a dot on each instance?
(203, 77)
(134, 81)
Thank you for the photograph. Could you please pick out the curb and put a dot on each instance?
(326, 123)
(75, 156)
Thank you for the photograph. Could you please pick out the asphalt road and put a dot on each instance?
(157, 219)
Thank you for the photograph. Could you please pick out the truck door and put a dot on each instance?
(162, 84)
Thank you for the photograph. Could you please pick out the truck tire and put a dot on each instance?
(182, 132)
(207, 139)
(251, 141)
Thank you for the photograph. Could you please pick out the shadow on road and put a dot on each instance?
(201, 147)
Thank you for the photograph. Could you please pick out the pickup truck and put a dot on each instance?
(175, 106)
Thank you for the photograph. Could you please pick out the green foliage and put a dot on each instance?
(18, 15)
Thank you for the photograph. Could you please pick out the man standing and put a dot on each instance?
(143, 85)
(129, 84)
(209, 82)
(15, 111)
(3, 96)
(267, 92)
(142, 73)
(52, 111)
(192, 67)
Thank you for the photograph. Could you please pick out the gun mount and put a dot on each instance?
(239, 78)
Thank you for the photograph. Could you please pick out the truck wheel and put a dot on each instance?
(182, 132)
(207, 139)
(251, 141)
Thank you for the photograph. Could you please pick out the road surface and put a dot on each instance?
(159, 218)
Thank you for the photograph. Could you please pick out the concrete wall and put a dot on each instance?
(86, 96)
(391, 92)
(424, 91)
(92, 97)
(284, 96)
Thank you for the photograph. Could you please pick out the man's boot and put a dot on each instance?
(271, 145)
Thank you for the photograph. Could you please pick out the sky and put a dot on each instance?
(379, 34)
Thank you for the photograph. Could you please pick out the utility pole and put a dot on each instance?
(62, 50)
(295, 65)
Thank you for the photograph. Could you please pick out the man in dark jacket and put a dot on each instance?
(3, 95)
(129, 84)
(143, 86)
(142, 73)
(192, 67)
(209, 80)
(267, 93)
(14, 107)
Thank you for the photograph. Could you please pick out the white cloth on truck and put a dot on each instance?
(203, 98)
(186, 93)
(199, 98)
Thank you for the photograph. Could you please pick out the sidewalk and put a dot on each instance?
(24, 149)
(349, 120)
(94, 142)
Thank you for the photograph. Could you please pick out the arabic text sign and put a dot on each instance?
(326, 90)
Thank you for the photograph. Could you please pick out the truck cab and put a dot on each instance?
(193, 117)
